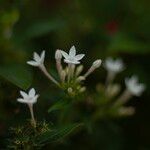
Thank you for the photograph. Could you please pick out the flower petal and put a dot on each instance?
(36, 57)
(32, 92)
(71, 62)
(22, 100)
(23, 94)
(79, 57)
(64, 54)
(42, 56)
(33, 63)
(72, 51)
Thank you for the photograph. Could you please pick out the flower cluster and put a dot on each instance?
(71, 81)
(133, 88)
(70, 76)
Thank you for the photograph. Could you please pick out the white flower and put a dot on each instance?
(72, 58)
(29, 98)
(38, 60)
(114, 66)
(133, 86)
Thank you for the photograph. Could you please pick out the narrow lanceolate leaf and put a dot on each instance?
(57, 134)
(17, 74)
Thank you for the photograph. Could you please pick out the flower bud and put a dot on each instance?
(79, 70)
(97, 63)
(80, 78)
(58, 54)
(82, 89)
(126, 111)
(70, 90)
(63, 75)
(113, 90)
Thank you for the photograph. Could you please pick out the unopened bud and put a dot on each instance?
(63, 75)
(80, 78)
(113, 90)
(79, 70)
(58, 54)
(70, 90)
(82, 89)
(97, 63)
(126, 111)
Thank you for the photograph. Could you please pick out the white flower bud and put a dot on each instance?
(126, 111)
(58, 54)
(79, 70)
(80, 78)
(82, 89)
(113, 90)
(63, 75)
(97, 63)
(70, 90)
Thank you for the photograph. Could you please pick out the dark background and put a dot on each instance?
(98, 28)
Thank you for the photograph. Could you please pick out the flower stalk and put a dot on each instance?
(44, 70)
(33, 122)
(126, 95)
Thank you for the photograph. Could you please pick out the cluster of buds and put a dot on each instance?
(133, 88)
(70, 75)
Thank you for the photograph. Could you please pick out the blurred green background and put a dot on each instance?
(98, 28)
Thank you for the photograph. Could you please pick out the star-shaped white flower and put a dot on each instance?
(72, 58)
(29, 98)
(114, 66)
(133, 86)
(38, 60)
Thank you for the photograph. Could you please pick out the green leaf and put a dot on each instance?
(58, 106)
(41, 28)
(125, 43)
(17, 74)
(57, 134)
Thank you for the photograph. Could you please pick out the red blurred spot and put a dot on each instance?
(111, 27)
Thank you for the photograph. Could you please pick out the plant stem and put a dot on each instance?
(72, 70)
(59, 68)
(109, 79)
(43, 69)
(123, 98)
(33, 122)
(90, 70)
(69, 72)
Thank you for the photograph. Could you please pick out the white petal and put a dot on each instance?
(79, 57)
(33, 63)
(72, 51)
(42, 56)
(32, 92)
(22, 100)
(65, 54)
(134, 79)
(71, 62)
(23, 94)
(33, 100)
(36, 57)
